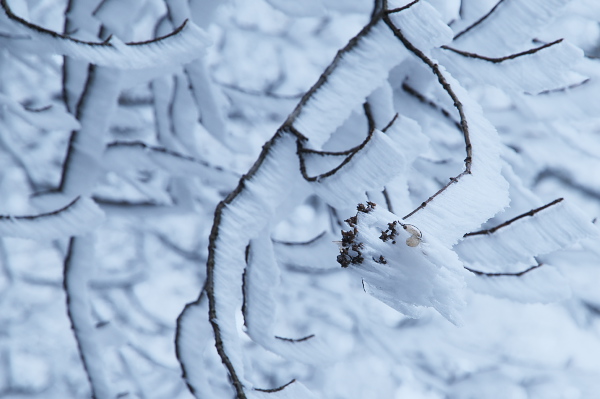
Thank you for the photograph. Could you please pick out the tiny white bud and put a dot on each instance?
(413, 241)
(412, 230)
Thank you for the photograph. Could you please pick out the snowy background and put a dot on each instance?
(124, 125)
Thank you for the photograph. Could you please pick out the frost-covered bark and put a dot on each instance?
(263, 199)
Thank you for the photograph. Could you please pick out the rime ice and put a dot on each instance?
(403, 275)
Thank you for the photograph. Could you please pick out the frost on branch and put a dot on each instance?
(184, 44)
(370, 167)
(511, 246)
(79, 217)
(508, 26)
(542, 283)
(543, 68)
(402, 266)
(365, 62)
(261, 307)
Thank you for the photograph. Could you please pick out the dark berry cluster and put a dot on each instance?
(350, 251)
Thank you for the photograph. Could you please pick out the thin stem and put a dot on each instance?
(501, 59)
(518, 274)
(511, 221)
(480, 20)
(457, 103)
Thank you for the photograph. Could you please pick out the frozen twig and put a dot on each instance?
(497, 60)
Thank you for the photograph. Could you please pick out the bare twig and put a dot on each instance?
(480, 20)
(457, 103)
(337, 168)
(509, 222)
(518, 274)
(566, 88)
(290, 243)
(411, 91)
(395, 10)
(286, 128)
(388, 200)
(501, 59)
(281, 388)
(4, 5)
(568, 181)
(41, 215)
(297, 339)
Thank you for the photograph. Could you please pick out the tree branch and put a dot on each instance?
(509, 222)
(457, 103)
(518, 274)
(480, 20)
(501, 59)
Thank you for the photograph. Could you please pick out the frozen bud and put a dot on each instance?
(412, 230)
(413, 241)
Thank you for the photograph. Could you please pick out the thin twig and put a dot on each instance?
(281, 388)
(4, 5)
(297, 339)
(518, 274)
(509, 222)
(395, 10)
(41, 215)
(480, 20)
(566, 88)
(390, 123)
(411, 91)
(457, 103)
(334, 170)
(501, 59)
(293, 243)
(388, 201)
